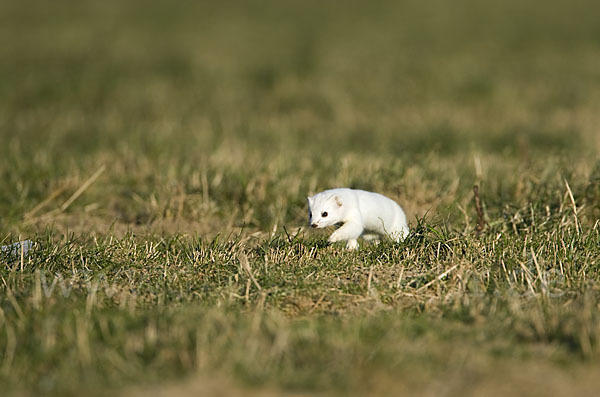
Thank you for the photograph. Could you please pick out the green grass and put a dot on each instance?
(159, 155)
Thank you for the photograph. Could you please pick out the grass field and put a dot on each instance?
(159, 155)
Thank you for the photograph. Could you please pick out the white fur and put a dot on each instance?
(361, 213)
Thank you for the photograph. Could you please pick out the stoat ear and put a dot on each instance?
(310, 201)
(338, 201)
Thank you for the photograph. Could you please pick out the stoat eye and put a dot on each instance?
(324, 214)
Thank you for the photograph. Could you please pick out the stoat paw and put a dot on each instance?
(352, 245)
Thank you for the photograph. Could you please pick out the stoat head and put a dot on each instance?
(324, 210)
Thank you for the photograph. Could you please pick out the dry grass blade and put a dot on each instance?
(574, 206)
(13, 301)
(246, 265)
(317, 303)
(9, 351)
(369, 279)
(441, 276)
(45, 202)
(480, 217)
(83, 188)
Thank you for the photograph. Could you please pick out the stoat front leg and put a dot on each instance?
(349, 231)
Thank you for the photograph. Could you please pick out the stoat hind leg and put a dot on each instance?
(371, 236)
(400, 234)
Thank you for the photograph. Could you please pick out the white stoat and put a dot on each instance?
(359, 212)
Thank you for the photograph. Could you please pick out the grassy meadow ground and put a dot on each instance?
(159, 154)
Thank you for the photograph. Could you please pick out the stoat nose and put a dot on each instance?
(314, 225)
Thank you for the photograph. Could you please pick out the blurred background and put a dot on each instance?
(249, 106)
